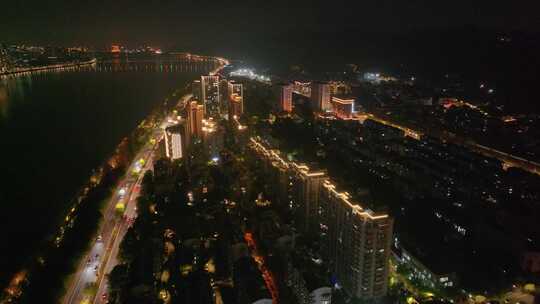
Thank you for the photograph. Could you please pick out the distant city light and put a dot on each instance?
(378, 77)
(249, 73)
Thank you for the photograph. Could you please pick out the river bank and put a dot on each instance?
(20, 71)
(24, 277)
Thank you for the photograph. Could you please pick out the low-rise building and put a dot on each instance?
(419, 271)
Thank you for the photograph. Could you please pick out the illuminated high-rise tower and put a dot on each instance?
(210, 95)
(305, 185)
(196, 90)
(285, 91)
(355, 241)
(236, 106)
(237, 88)
(195, 113)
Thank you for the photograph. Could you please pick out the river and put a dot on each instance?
(55, 127)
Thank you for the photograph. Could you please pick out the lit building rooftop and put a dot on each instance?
(275, 156)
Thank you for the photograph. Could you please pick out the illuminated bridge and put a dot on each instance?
(157, 66)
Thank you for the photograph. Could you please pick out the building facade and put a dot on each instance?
(320, 96)
(196, 90)
(419, 271)
(210, 95)
(356, 241)
(343, 107)
(285, 91)
(212, 137)
(236, 106)
(195, 113)
(305, 191)
(237, 88)
(175, 141)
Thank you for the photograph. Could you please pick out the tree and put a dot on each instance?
(129, 246)
(118, 280)
(142, 294)
(148, 183)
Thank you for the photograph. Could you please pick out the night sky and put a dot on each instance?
(171, 23)
(430, 38)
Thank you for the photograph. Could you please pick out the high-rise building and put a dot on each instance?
(210, 95)
(237, 88)
(212, 137)
(277, 168)
(343, 107)
(232, 101)
(225, 91)
(229, 88)
(357, 242)
(320, 96)
(196, 90)
(175, 141)
(306, 185)
(285, 91)
(236, 106)
(194, 115)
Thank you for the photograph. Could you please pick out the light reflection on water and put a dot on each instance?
(56, 126)
(14, 87)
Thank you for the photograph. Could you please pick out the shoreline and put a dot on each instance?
(15, 287)
(48, 67)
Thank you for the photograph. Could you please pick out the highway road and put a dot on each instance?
(119, 231)
(102, 257)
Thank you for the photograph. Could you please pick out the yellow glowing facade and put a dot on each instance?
(343, 108)
(356, 241)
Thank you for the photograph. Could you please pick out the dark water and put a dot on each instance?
(55, 127)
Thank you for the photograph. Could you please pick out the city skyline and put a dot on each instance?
(306, 152)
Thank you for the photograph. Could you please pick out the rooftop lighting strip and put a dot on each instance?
(343, 196)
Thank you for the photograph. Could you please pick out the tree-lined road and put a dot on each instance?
(99, 260)
(102, 257)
